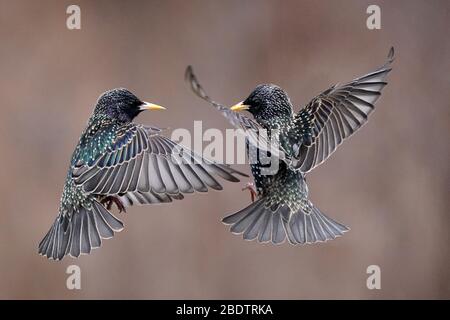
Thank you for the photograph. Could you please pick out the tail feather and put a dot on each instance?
(245, 218)
(85, 239)
(266, 229)
(94, 235)
(266, 225)
(257, 221)
(75, 243)
(278, 232)
(80, 234)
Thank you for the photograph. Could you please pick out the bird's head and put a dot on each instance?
(122, 105)
(265, 102)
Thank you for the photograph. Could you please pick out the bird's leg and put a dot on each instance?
(251, 187)
(109, 200)
(119, 205)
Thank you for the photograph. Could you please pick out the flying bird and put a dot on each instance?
(120, 162)
(305, 140)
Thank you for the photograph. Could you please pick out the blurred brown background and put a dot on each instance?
(389, 183)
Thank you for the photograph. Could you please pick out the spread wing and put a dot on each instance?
(146, 167)
(335, 115)
(255, 133)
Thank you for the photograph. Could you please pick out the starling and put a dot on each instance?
(305, 140)
(118, 161)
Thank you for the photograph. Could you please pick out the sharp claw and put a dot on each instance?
(109, 200)
(121, 208)
(119, 205)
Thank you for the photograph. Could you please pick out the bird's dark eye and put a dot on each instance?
(255, 107)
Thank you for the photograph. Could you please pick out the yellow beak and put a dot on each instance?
(151, 106)
(239, 107)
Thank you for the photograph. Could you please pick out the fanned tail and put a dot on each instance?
(266, 225)
(80, 234)
(312, 227)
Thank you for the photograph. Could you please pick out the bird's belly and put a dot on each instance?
(286, 187)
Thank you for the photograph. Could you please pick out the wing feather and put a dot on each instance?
(148, 167)
(334, 115)
(252, 130)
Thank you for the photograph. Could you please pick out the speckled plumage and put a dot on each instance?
(99, 135)
(306, 139)
(273, 111)
(126, 163)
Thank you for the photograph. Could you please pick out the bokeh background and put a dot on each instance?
(389, 183)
